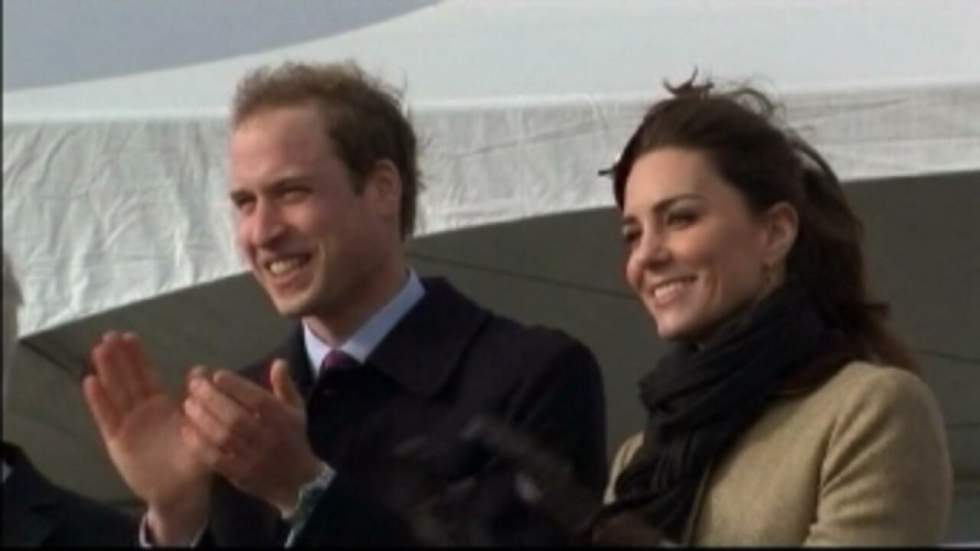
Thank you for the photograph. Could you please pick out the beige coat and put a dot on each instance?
(861, 459)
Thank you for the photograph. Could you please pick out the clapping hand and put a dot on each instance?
(141, 425)
(256, 439)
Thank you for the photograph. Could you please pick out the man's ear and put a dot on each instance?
(782, 224)
(384, 184)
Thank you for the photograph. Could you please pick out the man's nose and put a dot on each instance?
(267, 224)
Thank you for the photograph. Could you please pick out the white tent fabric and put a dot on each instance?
(115, 207)
(114, 190)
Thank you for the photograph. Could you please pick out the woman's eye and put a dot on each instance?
(681, 218)
(630, 237)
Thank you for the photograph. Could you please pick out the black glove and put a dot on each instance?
(543, 480)
(547, 483)
(439, 516)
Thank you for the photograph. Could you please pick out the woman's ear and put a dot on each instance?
(781, 223)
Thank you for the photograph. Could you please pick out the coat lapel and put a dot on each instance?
(425, 347)
(293, 350)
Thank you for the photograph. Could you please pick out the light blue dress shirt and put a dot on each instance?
(366, 338)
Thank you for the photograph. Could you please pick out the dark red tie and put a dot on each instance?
(337, 359)
(335, 368)
(336, 398)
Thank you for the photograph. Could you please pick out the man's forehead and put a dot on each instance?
(305, 111)
(289, 127)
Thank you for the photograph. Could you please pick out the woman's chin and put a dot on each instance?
(673, 332)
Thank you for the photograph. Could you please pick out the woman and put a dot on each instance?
(787, 413)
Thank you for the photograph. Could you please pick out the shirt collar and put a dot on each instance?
(366, 338)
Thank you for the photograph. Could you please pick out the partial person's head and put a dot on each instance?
(720, 206)
(324, 180)
(11, 304)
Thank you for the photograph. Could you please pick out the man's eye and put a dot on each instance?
(243, 204)
(295, 193)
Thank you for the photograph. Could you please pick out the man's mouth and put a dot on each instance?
(284, 266)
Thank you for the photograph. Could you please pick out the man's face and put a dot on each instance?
(312, 241)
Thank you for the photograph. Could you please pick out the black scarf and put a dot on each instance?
(699, 400)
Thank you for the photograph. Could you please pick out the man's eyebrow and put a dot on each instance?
(239, 194)
(275, 186)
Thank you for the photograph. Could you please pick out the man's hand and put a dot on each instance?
(141, 426)
(255, 439)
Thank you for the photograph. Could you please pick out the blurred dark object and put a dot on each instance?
(439, 518)
(545, 481)
(445, 516)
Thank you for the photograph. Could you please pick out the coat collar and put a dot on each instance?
(421, 351)
(426, 346)
(29, 502)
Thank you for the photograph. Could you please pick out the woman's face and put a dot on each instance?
(696, 254)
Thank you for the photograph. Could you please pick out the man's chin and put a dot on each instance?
(290, 308)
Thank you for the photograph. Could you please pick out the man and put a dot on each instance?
(306, 445)
(35, 511)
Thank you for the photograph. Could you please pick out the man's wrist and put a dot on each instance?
(179, 524)
(308, 492)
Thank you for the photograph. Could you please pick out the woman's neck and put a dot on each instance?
(737, 319)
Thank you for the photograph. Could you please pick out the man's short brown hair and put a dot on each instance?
(363, 118)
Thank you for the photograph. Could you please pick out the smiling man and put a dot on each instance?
(301, 447)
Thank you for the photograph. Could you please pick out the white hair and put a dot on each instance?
(12, 300)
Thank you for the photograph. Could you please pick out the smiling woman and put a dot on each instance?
(776, 420)
(696, 253)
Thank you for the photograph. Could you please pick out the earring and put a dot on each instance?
(767, 275)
